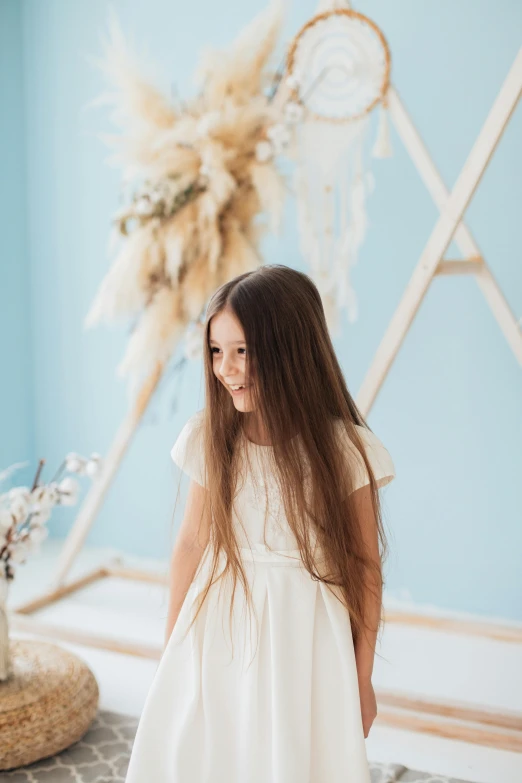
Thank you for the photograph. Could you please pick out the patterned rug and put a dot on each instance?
(102, 756)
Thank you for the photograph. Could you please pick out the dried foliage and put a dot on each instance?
(200, 188)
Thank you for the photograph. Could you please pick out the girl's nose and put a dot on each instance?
(227, 367)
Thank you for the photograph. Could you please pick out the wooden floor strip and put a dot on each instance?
(449, 729)
(24, 624)
(512, 721)
(489, 630)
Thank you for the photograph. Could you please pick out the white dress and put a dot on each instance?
(284, 708)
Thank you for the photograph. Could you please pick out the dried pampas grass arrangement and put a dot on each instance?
(200, 180)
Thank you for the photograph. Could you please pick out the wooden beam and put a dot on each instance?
(61, 592)
(469, 266)
(463, 238)
(451, 216)
(138, 575)
(25, 624)
(114, 570)
(512, 721)
(451, 729)
(496, 631)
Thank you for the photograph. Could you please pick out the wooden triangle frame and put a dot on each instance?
(450, 225)
(494, 728)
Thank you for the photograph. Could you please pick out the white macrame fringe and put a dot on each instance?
(382, 147)
(331, 186)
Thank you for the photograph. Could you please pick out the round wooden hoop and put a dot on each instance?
(384, 43)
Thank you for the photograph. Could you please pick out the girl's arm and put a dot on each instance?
(191, 542)
(364, 651)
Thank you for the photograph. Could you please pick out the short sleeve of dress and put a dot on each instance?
(378, 456)
(188, 452)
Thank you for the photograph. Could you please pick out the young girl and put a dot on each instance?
(276, 573)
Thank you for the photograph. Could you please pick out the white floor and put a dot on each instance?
(460, 668)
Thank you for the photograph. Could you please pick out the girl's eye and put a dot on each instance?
(215, 350)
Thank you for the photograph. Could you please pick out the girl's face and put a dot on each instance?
(228, 349)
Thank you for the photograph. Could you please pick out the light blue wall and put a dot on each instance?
(450, 411)
(16, 403)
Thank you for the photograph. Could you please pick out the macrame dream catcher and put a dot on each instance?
(337, 71)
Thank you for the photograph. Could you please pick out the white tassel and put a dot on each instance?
(382, 147)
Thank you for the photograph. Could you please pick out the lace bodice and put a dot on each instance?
(258, 511)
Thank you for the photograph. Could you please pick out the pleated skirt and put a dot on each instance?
(272, 698)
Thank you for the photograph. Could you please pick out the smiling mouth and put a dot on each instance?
(238, 389)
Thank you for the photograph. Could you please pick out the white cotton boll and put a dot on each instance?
(40, 516)
(39, 495)
(19, 509)
(74, 463)
(18, 553)
(37, 535)
(69, 491)
(92, 467)
(29, 545)
(19, 492)
(45, 496)
(6, 520)
(264, 151)
(53, 493)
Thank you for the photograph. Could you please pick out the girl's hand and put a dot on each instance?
(368, 704)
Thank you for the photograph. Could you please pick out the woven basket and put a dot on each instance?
(47, 705)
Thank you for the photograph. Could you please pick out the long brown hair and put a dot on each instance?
(298, 387)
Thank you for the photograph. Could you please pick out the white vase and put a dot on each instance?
(5, 657)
